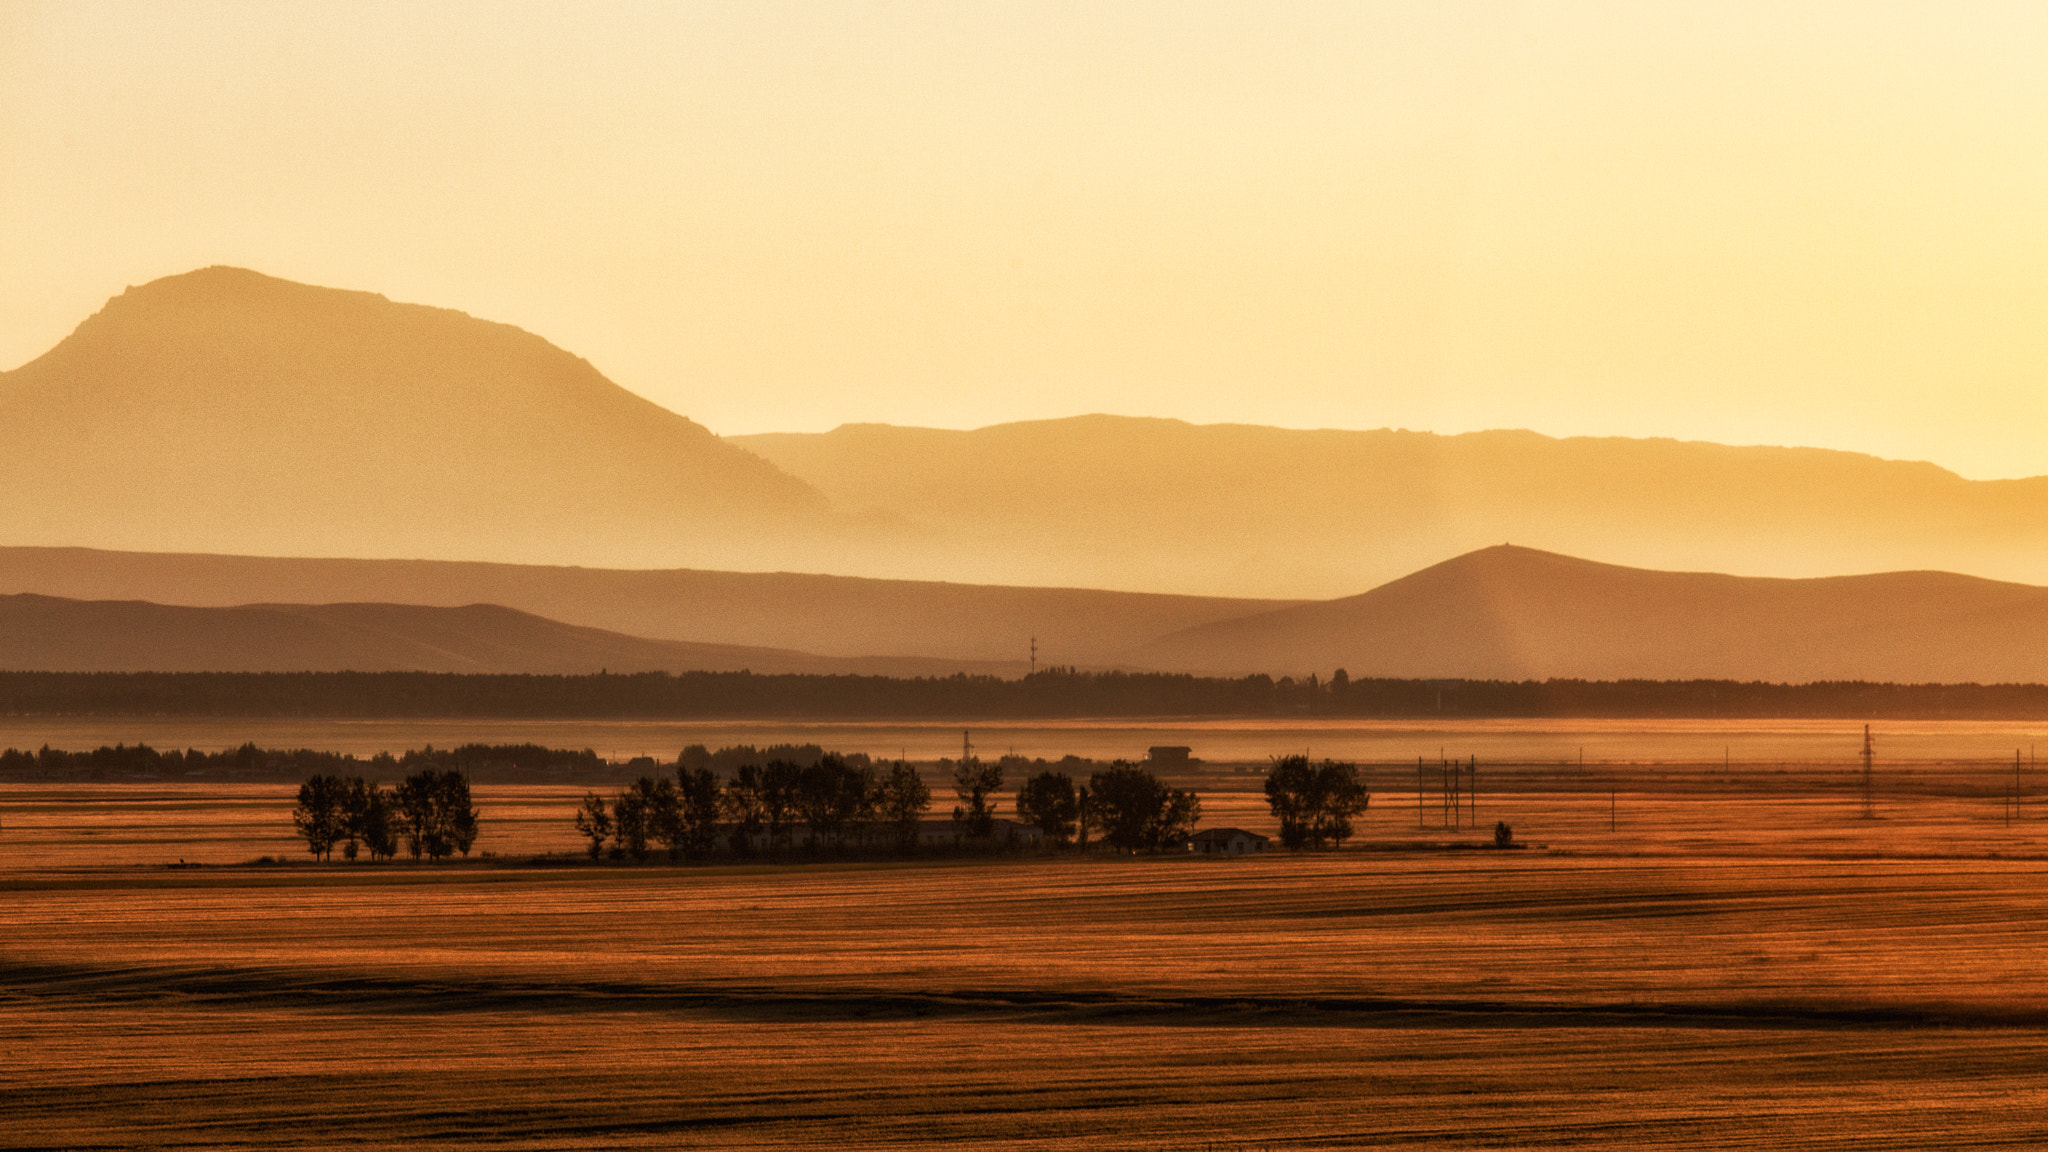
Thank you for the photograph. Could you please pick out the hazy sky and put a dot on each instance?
(1757, 223)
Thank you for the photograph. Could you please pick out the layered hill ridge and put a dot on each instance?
(1504, 612)
(51, 634)
(840, 616)
(225, 410)
(1515, 613)
(1229, 509)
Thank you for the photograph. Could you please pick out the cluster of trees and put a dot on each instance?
(1055, 692)
(844, 802)
(429, 811)
(839, 799)
(1133, 809)
(1314, 802)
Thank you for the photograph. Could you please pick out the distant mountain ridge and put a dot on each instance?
(1512, 613)
(1232, 509)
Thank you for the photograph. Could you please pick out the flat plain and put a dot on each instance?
(1739, 959)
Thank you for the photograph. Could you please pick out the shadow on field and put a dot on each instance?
(218, 987)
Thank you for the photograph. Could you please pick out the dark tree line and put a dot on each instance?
(1052, 693)
(851, 802)
(502, 761)
(843, 801)
(429, 812)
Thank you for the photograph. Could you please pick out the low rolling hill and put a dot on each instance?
(1517, 613)
(49, 634)
(829, 615)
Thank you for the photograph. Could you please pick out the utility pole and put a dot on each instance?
(1418, 792)
(2015, 783)
(1034, 652)
(1475, 790)
(966, 747)
(1869, 753)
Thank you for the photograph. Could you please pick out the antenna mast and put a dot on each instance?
(1869, 751)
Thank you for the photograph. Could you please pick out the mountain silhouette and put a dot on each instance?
(224, 410)
(829, 615)
(1240, 510)
(1517, 613)
(51, 634)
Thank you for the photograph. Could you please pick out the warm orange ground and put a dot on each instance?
(1731, 968)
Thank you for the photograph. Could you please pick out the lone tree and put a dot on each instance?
(1048, 801)
(1136, 811)
(976, 782)
(901, 801)
(1314, 802)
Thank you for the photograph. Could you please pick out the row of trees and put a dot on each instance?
(429, 811)
(850, 801)
(840, 800)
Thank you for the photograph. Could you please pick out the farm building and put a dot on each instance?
(1170, 756)
(1227, 842)
(936, 833)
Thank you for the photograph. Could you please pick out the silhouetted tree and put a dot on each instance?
(976, 782)
(1138, 812)
(781, 781)
(319, 815)
(699, 805)
(1502, 834)
(630, 823)
(743, 807)
(355, 811)
(380, 823)
(594, 820)
(664, 813)
(902, 800)
(1314, 802)
(1048, 801)
(833, 796)
(434, 813)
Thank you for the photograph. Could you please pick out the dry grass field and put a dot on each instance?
(1741, 962)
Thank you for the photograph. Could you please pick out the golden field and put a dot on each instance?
(1741, 962)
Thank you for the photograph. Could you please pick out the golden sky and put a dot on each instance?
(1755, 223)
